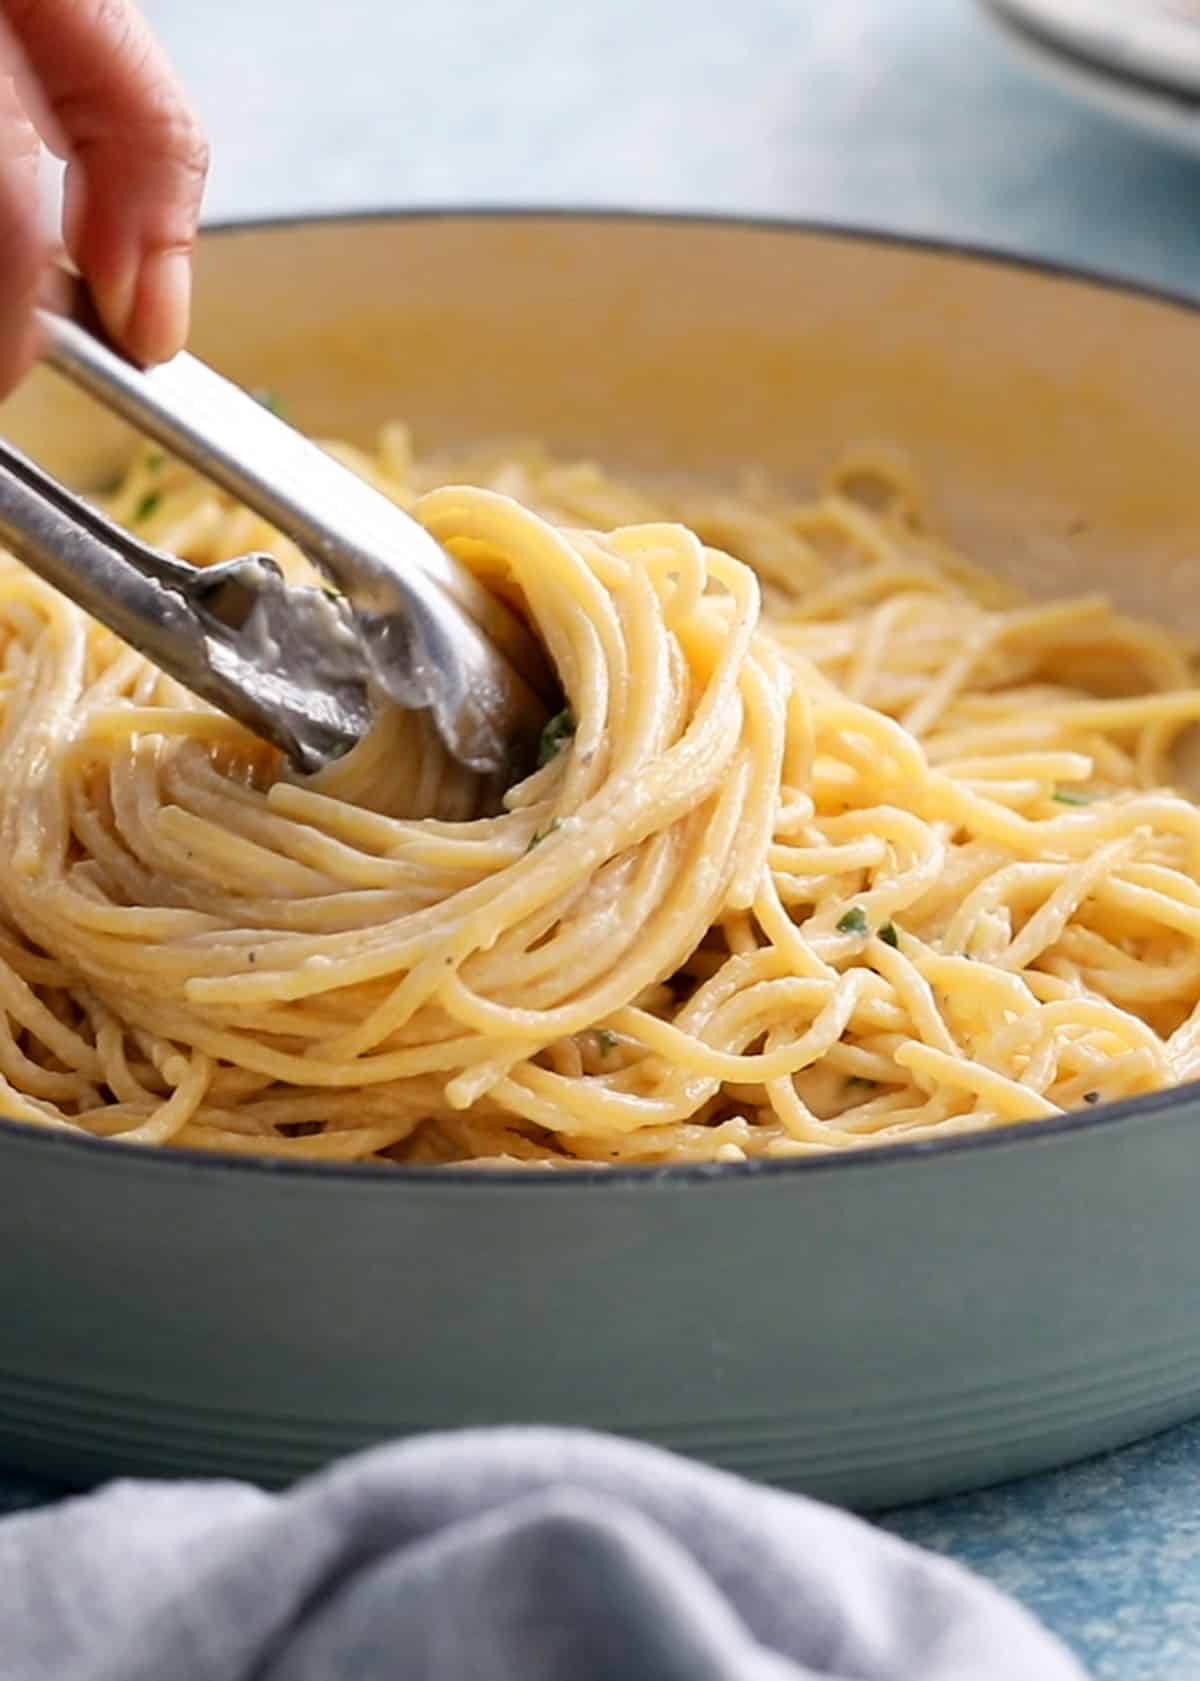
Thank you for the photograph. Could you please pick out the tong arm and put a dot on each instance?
(433, 636)
(286, 662)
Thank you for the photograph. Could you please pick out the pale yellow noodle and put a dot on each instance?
(841, 842)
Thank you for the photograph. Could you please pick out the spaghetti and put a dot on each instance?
(838, 842)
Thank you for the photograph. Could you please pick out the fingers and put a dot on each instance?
(101, 93)
(136, 163)
(23, 247)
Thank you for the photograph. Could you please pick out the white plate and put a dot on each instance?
(1122, 65)
(1157, 39)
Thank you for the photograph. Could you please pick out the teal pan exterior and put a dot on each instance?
(880, 1331)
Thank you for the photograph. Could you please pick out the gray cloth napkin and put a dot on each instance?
(500, 1555)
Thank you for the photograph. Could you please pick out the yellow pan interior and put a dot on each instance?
(1054, 419)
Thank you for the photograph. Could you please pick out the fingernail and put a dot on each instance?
(162, 303)
(53, 288)
(114, 294)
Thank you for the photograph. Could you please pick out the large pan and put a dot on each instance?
(875, 1328)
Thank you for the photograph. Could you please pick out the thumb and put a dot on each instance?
(24, 250)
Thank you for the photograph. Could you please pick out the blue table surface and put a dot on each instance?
(904, 114)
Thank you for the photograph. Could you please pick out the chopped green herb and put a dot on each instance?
(1072, 796)
(560, 728)
(154, 459)
(1091, 1097)
(889, 935)
(854, 921)
(607, 1041)
(539, 835)
(861, 1080)
(147, 505)
(269, 400)
(333, 595)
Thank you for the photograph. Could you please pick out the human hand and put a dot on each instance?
(86, 79)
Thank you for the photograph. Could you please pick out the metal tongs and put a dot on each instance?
(302, 668)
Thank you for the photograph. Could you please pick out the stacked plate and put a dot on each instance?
(1139, 60)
